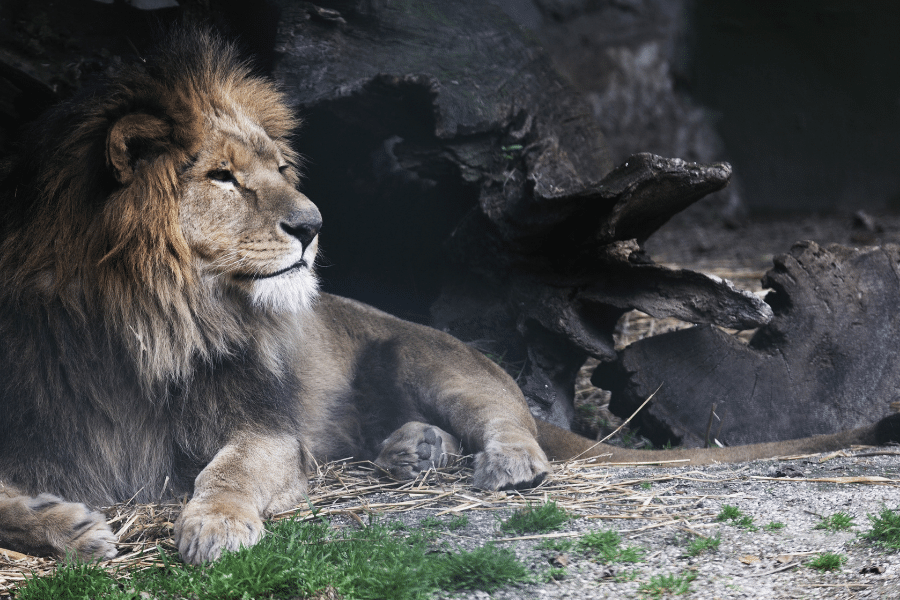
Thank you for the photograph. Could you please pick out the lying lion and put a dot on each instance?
(160, 322)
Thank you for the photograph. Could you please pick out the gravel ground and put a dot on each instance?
(684, 502)
(680, 503)
(658, 510)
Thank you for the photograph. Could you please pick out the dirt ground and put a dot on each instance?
(661, 511)
(751, 243)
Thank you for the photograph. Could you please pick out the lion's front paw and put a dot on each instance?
(206, 528)
(510, 464)
(71, 527)
(415, 448)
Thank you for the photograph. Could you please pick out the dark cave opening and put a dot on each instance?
(384, 229)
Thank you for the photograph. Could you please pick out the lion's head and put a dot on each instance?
(246, 225)
(162, 206)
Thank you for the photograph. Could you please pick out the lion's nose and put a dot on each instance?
(303, 224)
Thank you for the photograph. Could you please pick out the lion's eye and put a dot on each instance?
(223, 175)
(283, 169)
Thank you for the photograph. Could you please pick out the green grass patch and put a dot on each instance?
(298, 559)
(487, 568)
(535, 519)
(556, 574)
(698, 545)
(436, 524)
(630, 554)
(74, 581)
(667, 585)
(885, 531)
(458, 522)
(729, 513)
(556, 544)
(431, 523)
(626, 576)
(827, 561)
(607, 546)
(839, 521)
(737, 518)
(774, 526)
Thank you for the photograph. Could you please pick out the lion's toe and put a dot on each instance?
(415, 448)
(72, 527)
(205, 530)
(510, 465)
(96, 543)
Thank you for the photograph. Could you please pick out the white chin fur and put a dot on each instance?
(292, 292)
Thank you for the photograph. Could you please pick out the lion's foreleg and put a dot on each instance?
(486, 410)
(251, 478)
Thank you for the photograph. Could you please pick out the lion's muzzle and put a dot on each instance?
(303, 224)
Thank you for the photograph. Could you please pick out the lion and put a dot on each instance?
(163, 333)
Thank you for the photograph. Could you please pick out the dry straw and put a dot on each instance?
(353, 490)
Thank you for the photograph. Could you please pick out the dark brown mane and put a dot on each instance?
(75, 235)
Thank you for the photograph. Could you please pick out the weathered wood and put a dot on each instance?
(541, 266)
(827, 361)
(565, 290)
(462, 86)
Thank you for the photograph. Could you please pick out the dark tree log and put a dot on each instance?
(826, 362)
(565, 290)
(547, 256)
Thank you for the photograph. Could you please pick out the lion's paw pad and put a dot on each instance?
(415, 448)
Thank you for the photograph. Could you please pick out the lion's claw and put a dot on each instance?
(205, 530)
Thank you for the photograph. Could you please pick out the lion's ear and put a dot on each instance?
(132, 138)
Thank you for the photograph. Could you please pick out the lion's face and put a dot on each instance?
(244, 220)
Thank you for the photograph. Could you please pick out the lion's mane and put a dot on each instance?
(107, 325)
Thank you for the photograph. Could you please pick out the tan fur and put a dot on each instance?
(160, 325)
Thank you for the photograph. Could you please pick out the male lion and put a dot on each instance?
(160, 322)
